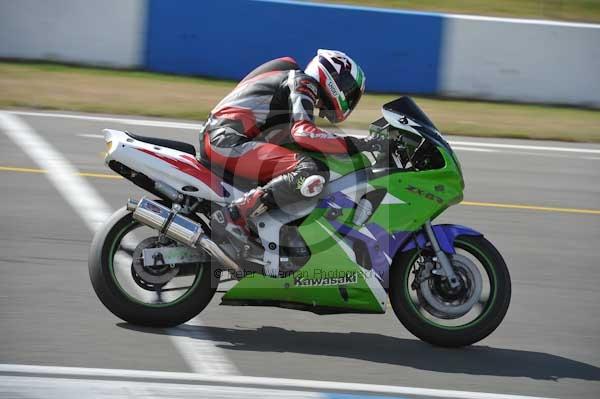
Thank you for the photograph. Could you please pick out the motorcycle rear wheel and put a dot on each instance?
(125, 306)
(424, 326)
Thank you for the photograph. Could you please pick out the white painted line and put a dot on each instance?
(473, 149)
(196, 126)
(91, 136)
(524, 147)
(454, 147)
(529, 153)
(66, 388)
(126, 121)
(245, 381)
(74, 189)
(198, 349)
(94, 211)
(548, 155)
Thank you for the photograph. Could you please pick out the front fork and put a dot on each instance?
(446, 266)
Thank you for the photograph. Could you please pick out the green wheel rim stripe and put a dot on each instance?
(111, 255)
(493, 283)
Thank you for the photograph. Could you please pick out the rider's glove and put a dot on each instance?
(371, 143)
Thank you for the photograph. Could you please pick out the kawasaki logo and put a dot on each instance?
(349, 278)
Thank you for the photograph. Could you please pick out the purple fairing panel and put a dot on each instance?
(383, 246)
(380, 245)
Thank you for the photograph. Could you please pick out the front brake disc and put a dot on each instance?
(439, 305)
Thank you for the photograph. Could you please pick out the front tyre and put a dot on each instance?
(430, 310)
(157, 297)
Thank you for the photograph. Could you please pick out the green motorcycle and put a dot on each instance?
(365, 241)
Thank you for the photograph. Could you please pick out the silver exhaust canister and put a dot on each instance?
(178, 228)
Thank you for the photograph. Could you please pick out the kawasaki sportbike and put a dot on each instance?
(365, 241)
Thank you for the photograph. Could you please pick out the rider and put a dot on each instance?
(274, 105)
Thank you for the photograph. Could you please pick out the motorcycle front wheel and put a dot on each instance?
(161, 296)
(439, 315)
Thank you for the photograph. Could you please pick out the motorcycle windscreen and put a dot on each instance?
(406, 106)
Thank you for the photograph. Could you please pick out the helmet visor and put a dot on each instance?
(352, 91)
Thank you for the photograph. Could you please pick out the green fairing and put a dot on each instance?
(328, 257)
(328, 260)
(440, 188)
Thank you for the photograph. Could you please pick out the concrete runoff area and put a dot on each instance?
(547, 345)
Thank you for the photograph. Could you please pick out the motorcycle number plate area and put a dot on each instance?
(172, 256)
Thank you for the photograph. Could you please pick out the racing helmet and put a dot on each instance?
(342, 82)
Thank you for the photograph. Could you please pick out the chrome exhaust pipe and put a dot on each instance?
(178, 228)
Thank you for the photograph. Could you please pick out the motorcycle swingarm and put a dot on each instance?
(173, 256)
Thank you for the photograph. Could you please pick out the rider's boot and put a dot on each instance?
(235, 217)
(249, 206)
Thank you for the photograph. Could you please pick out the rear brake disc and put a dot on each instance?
(159, 274)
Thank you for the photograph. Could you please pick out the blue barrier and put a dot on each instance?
(399, 51)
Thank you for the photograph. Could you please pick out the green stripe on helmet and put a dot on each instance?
(343, 103)
(359, 77)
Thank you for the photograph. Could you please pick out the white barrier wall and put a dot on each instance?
(105, 33)
(452, 55)
(521, 60)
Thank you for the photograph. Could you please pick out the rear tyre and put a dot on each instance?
(105, 245)
(448, 331)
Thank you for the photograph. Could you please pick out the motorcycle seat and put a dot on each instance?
(173, 144)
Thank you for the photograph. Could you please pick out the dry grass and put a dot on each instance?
(119, 92)
(50, 86)
(569, 10)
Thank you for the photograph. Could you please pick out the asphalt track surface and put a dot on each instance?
(548, 345)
